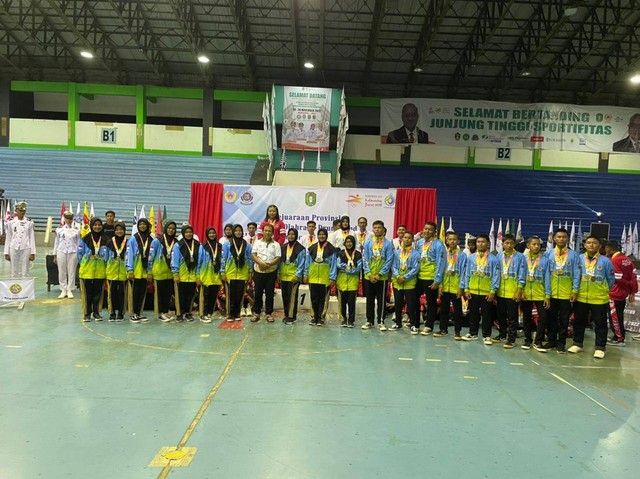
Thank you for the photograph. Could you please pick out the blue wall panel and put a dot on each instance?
(473, 196)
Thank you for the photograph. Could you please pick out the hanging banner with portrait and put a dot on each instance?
(486, 124)
(306, 113)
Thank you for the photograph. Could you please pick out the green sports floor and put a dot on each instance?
(111, 400)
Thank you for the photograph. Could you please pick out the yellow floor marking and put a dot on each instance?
(12, 346)
(488, 362)
(470, 377)
(582, 392)
(82, 365)
(170, 456)
(442, 345)
(405, 359)
(205, 405)
(460, 361)
(434, 360)
(206, 335)
(133, 332)
(517, 364)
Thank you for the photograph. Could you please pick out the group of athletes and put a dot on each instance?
(185, 271)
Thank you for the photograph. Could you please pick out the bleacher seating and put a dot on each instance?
(118, 181)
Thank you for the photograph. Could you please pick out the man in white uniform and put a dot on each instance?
(65, 251)
(20, 245)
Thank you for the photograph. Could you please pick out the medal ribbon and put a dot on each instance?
(532, 265)
(404, 255)
(425, 247)
(452, 259)
(289, 252)
(591, 264)
(96, 246)
(349, 258)
(561, 257)
(481, 262)
(377, 244)
(193, 245)
(115, 246)
(505, 264)
(320, 252)
(168, 248)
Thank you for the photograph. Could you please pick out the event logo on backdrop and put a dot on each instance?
(299, 205)
(486, 124)
(306, 114)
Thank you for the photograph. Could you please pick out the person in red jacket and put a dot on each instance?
(279, 228)
(626, 286)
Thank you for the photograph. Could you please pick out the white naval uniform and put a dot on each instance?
(361, 239)
(20, 243)
(306, 241)
(65, 248)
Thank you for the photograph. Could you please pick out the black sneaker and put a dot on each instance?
(313, 322)
(498, 339)
(87, 318)
(112, 318)
(189, 317)
(343, 324)
(560, 348)
(134, 318)
(97, 317)
(548, 346)
(289, 320)
(350, 324)
(179, 318)
(526, 345)
(320, 322)
(120, 318)
(539, 347)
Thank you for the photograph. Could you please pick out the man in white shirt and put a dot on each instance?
(397, 242)
(251, 237)
(266, 256)
(310, 238)
(20, 244)
(65, 255)
(362, 234)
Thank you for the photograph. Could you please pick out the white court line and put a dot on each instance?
(405, 359)
(434, 360)
(582, 392)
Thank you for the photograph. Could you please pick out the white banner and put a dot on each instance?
(306, 113)
(244, 203)
(17, 290)
(487, 124)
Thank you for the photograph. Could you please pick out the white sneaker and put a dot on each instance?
(366, 325)
(636, 337)
(415, 330)
(63, 294)
(598, 354)
(426, 331)
(575, 349)
(70, 294)
(470, 337)
(165, 318)
(487, 341)
(205, 319)
(382, 327)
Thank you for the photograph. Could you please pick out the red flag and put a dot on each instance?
(159, 223)
(62, 210)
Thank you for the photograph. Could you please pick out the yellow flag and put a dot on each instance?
(152, 220)
(84, 231)
(442, 232)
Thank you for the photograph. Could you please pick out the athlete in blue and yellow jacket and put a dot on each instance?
(537, 291)
(235, 270)
(404, 273)
(92, 258)
(209, 264)
(293, 257)
(117, 273)
(514, 278)
(377, 257)
(451, 291)
(137, 263)
(432, 265)
(184, 266)
(159, 265)
(320, 272)
(349, 265)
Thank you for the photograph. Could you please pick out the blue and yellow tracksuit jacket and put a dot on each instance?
(228, 265)
(513, 274)
(433, 260)
(377, 262)
(481, 280)
(596, 283)
(538, 285)
(453, 274)
(349, 279)
(409, 270)
(565, 278)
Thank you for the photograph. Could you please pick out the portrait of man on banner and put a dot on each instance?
(408, 133)
(630, 144)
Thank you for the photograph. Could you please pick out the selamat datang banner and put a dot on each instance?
(486, 124)
(306, 116)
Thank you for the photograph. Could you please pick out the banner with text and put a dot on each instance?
(17, 290)
(245, 203)
(487, 124)
(306, 113)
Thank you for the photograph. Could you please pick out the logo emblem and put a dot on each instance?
(389, 200)
(310, 198)
(15, 288)
(246, 198)
(354, 200)
(230, 196)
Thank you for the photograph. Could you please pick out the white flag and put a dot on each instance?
(450, 228)
(17, 290)
(91, 212)
(499, 237)
(550, 237)
(634, 241)
(302, 162)
(318, 162)
(566, 225)
(266, 117)
(629, 247)
(274, 139)
(572, 236)
(134, 226)
(142, 213)
(283, 160)
(519, 237)
(506, 227)
(492, 236)
(623, 239)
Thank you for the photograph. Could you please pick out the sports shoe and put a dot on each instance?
(440, 334)
(526, 346)
(598, 354)
(549, 346)
(415, 330)
(426, 331)
(350, 324)
(120, 318)
(206, 319)
(561, 348)
(498, 339)
(366, 325)
(615, 342)
(238, 318)
(636, 337)
(97, 317)
(313, 322)
(188, 317)
(165, 318)
(508, 345)
(487, 341)
(255, 318)
(539, 347)
(144, 319)
(575, 349)
(230, 319)
(269, 318)
(320, 322)
(179, 318)
(382, 327)
(289, 321)
(470, 337)
(134, 318)
(70, 294)
(63, 294)
(457, 337)
(395, 327)
(112, 318)
(87, 318)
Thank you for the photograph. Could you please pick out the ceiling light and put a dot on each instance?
(418, 69)
(86, 54)
(203, 59)
(568, 12)
(525, 73)
(635, 79)
(309, 65)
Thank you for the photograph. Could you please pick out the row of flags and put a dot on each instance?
(575, 237)
(629, 240)
(5, 211)
(283, 161)
(495, 237)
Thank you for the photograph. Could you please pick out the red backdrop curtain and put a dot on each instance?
(206, 208)
(414, 207)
